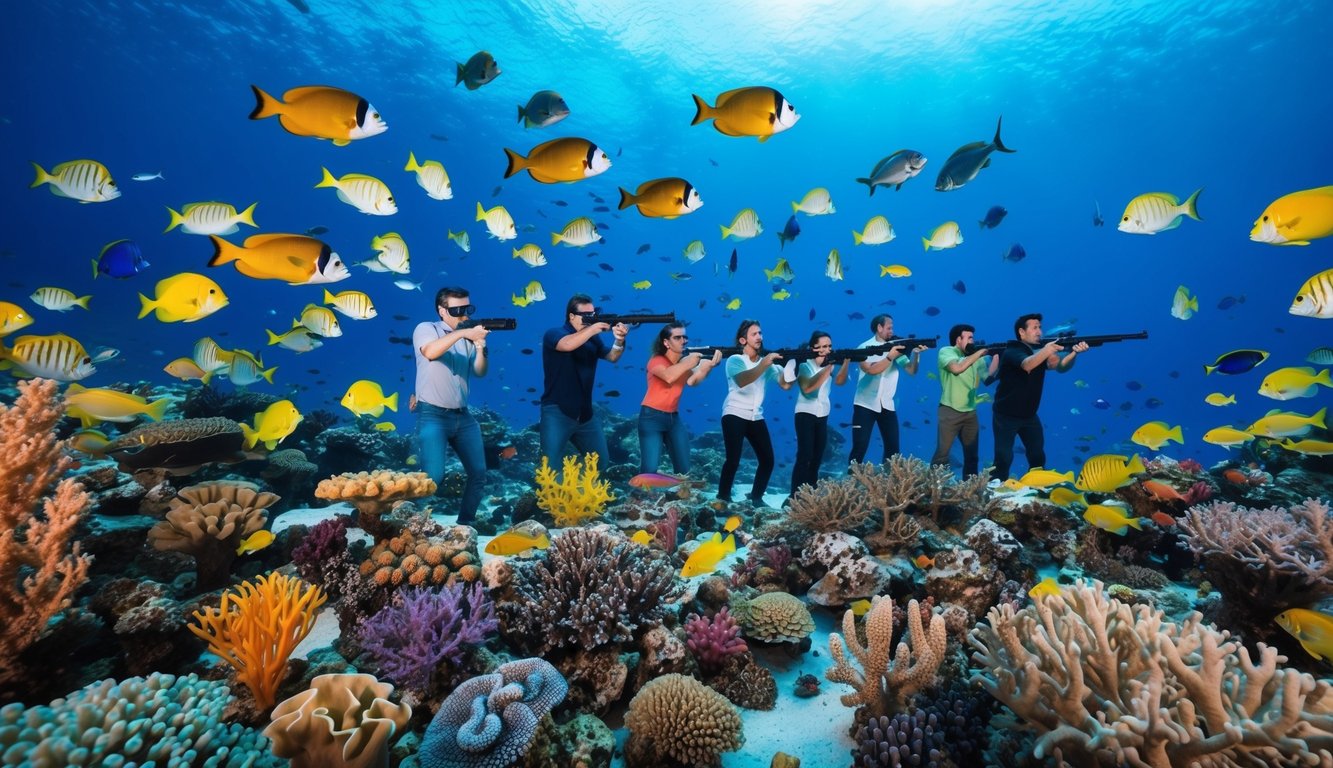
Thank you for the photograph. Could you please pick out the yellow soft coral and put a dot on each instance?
(577, 495)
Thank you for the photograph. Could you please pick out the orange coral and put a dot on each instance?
(256, 629)
(374, 493)
(40, 570)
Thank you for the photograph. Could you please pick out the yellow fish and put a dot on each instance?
(534, 291)
(272, 425)
(519, 301)
(642, 538)
(186, 369)
(1183, 305)
(461, 239)
(1064, 497)
(1314, 630)
(1045, 478)
(1278, 423)
(185, 297)
(1296, 219)
(431, 177)
(1112, 519)
(946, 235)
(516, 540)
(1046, 587)
(560, 160)
(1155, 434)
(817, 202)
(577, 233)
(1309, 447)
(754, 111)
(365, 193)
(708, 555)
(498, 222)
(732, 523)
(1227, 437)
(833, 265)
(391, 252)
(641, 285)
(87, 181)
(210, 357)
(1155, 212)
(293, 259)
(1013, 486)
(694, 252)
(859, 607)
(366, 398)
(210, 218)
(781, 271)
(386, 426)
(1315, 298)
(412, 460)
(1291, 383)
(531, 255)
(58, 299)
(744, 226)
(13, 318)
(1219, 399)
(90, 441)
(1106, 472)
(320, 320)
(299, 339)
(94, 405)
(781, 295)
(321, 112)
(894, 270)
(734, 304)
(255, 542)
(353, 304)
(877, 231)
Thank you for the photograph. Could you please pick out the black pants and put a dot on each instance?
(811, 437)
(1026, 429)
(734, 430)
(862, 420)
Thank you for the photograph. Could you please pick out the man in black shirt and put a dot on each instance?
(1022, 373)
(569, 363)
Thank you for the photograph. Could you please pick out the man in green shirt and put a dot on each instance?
(959, 376)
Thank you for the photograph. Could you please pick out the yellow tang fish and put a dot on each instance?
(877, 231)
(666, 198)
(1155, 212)
(365, 193)
(859, 607)
(732, 523)
(13, 318)
(272, 425)
(1219, 399)
(58, 299)
(1227, 437)
(210, 218)
(87, 181)
(642, 538)
(1045, 478)
(894, 271)
(560, 160)
(754, 111)
(255, 542)
(817, 202)
(56, 357)
(1155, 434)
(366, 398)
(1044, 588)
(94, 405)
(1291, 383)
(1112, 518)
(185, 297)
(498, 223)
(1314, 630)
(293, 259)
(1315, 298)
(431, 177)
(1296, 219)
(708, 555)
(641, 285)
(353, 304)
(1309, 447)
(946, 235)
(386, 426)
(321, 112)
(1064, 497)
(745, 226)
(518, 539)
(577, 233)
(1106, 472)
(1278, 423)
(531, 255)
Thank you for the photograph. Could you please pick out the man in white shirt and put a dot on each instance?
(876, 384)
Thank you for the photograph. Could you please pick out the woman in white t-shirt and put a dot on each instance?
(814, 379)
(743, 411)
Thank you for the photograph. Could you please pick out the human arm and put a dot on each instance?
(1065, 363)
(882, 364)
(671, 373)
(748, 376)
(619, 330)
(1047, 356)
(811, 379)
(915, 362)
(700, 371)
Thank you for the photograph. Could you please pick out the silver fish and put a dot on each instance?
(965, 163)
(895, 169)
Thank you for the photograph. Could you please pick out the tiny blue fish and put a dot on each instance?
(1100, 404)
(960, 286)
(644, 248)
(790, 231)
(993, 217)
(731, 265)
(120, 259)
(1015, 253)
(1228, 302)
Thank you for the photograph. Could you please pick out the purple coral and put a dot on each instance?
(713, 641)
(421, 629)
(323, 542)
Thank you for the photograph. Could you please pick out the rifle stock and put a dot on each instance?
(492, 323)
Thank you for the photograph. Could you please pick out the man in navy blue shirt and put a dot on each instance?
(569, 364)
(1022, 373)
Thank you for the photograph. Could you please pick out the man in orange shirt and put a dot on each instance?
(669, 370)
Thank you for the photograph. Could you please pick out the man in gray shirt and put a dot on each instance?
(447, 358)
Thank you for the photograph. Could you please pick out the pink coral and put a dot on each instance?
(714, 641)
(1198, 493)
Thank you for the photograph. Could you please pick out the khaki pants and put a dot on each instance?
(957, 424)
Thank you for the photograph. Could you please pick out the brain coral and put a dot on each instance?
(774, 617)
(677, 720)
(340, 720)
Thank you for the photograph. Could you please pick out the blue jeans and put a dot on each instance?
(557, 429)
(657, 427)
(437, 426)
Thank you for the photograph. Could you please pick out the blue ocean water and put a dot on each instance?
(1101, 101)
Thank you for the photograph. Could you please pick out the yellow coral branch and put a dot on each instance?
(578, 495)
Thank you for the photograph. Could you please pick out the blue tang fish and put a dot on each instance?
(120, 259)
(790, 231)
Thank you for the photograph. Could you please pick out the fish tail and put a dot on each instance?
(1135, 466)
(157, 409)
(458, 77)
(328, 180)
(1322, 378)
(857, 237)
(412, 164)
(176, 220)
(520, 113)
(517, 162)
(1318, 419)
(1177, 435)
(251, 437)
(95, 270)
(391, 402)
(146, 305)
(223, 252)
(248, 215)
(273, 338)
(702, 111)
(329, 298)
(481, 213)
(868, 183)
(725, 231)
(1136, 522)
(999, 145)
(82, 301)
(1193, 304)
(208, 376)
(925, 244)
(556, 237)
(268, 375)
(42, 177)
(1207, 369)
(626, 199)
(265, 105)
(1191, 205)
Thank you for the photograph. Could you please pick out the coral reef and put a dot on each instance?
(1113, 568)
(961, 577)
(833, 505)
(147, 623)
(906, 482)
(678, 721)
(321, 555)
(885, 684)
(256, 629)
(774, 617)
(421, 629)
(490, 721)
(40, 565)
(374, 493)
(852, 572)
(577, 495)
(907, 738)
(713, 641)
(417, 560)
(1099, 681)
(340, 721)
(208, 522)
(746, 683)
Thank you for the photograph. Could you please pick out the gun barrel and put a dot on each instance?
(494, 323)
(635, 319)
(1094, 341)
(709, 350)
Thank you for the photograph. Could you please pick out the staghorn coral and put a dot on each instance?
(589, 589)
(410, 638)
(676, 720)
(906, 483)
(490, 721)
(774, 617)
(1099, 681)
(832, 505)
(256, 629)
(713, 641)
(578, 495)
(208, 522)
(340, 721)
(883, 684)
(40, 566)
(374, 493)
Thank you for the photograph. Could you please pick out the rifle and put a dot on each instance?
(631, 319)
(491, 323)
(1070, 339)
(707, 352)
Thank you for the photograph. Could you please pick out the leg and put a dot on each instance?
(678, 445)
(805, 451)
(589, 437)
(862, 420)
(1034, 441)
(757, 433)
(733, 432)
(555, 429)
(888, 432)
(466, 442)
(650, 439)
(820, 439)
(1005, 430)
(430, 433)
(946, 429)
(970, 431)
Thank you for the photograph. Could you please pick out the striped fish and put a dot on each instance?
(392, 252)
(209, 356)
(461, 239)
(353, 304)
(817, 202)
(1155, 212)
(319, 320)
(431, 177)
(877, 232)
(534, 292)
(210, 218)
(498, 222)
(531, 255)
(1315, 298)
(56, 357)
(1107, 472)
(745, 226)
(58, 299)
(694, 252)
(1320, 356)
(87, 181)
(245, 369)
(365, 193)
(577, 233)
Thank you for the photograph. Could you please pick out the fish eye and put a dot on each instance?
(1125, 219)
(391, 198)
(211, 290)
(87, 361)
(1265, 217)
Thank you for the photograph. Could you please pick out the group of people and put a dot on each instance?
(449, 353)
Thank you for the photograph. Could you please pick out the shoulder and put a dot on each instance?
(658, 361)
(424, 332)
(552, 336)
(949, 354)
(735, 364)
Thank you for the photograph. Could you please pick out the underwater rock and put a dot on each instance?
(180, 447)
(959, 576)
(584, 742)
(149, 624)
(850, 580)
(746, 683)
(661, 652)
(992, 541)
(827, 549)
(596, 679)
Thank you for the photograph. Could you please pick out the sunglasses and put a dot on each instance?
(463, 311)
(680, 338)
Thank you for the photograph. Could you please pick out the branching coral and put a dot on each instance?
(713, 641)
(374, 493)
(883, 684)
(1100, 682)
(1287, 554)
(340, 721)
(577, 495)
(832, 505)
(40, 567)
(678, 721)
(411, 637)
(256, 629)
(208, 522)
(907, 483)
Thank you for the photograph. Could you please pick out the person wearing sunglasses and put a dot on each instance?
(669, 371)
(569, 366)
(447, 358)
(814, 379)
(748, 374)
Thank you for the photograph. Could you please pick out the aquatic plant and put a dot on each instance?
(883, 683)
(159, 720)
(41, 566)
(490, 721)
(340, 721)
(1100, 681)
(713, 641)
(590, 589)
(256, 628)
(421, 629)
(676, 720)
(577, 495)
(374, 493)
(208, 522)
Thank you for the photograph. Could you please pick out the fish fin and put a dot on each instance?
(520, 115)
(95, 270)
(765, 137)
(157, 409)
(82, 301)
(265, 105)
(273, 338)
(412, 164)
(42, 177)
(327, 180)
(458, 77)
(999, 145)
(146, 305)
(517, 162)
(481, 213)
(925, 244)
(702, 112)
(391, 402)
(1192, 205)
(176, 220)
(268, 375)
(626, 199)
(1318, 418)
(251, 437)
(247, 216)
(726, 231)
